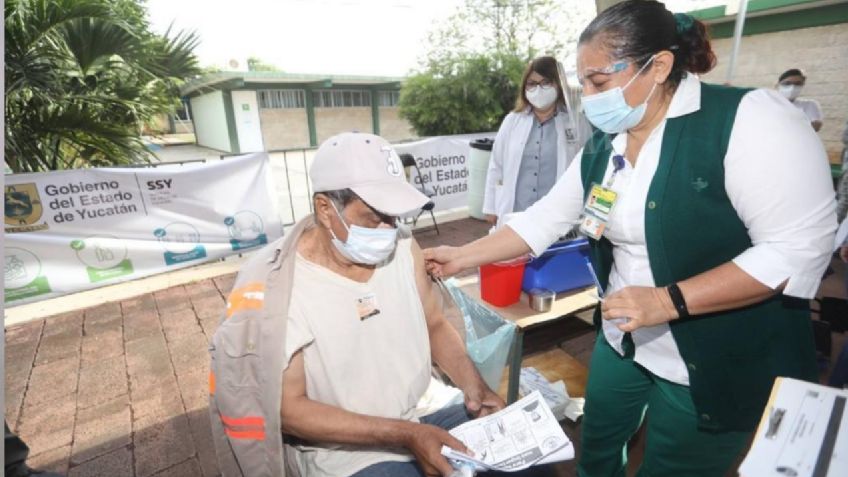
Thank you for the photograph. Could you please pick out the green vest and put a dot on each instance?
(691, 227)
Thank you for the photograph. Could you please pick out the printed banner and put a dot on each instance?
(68, 231)
(443, 162)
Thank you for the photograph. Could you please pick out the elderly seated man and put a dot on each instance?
(331, 333)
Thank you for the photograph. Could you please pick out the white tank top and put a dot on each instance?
(377, 366)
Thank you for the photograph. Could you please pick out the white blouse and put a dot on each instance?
(777, 178)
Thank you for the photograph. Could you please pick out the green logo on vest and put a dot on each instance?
(700, 184)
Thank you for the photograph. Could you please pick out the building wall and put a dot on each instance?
(158, 125)
(248, 126)
(331, 121)
(210, 121)
(393, 127)
(819, 51)
(284, 128)
(183, 126)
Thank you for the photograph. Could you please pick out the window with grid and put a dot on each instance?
(341, 98)
(282, 98)
(388, 98)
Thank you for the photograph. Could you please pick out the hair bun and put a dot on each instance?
(694, 54)
(683, 22)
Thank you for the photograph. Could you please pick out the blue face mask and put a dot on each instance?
(364, 245)
(609, 111)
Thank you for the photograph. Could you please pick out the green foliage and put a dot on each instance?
(473, 96)
(469, 78)
(256, 64)
(83, 77)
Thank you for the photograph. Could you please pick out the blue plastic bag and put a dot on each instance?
(488, 337)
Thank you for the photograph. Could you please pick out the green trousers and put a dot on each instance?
(619, 395)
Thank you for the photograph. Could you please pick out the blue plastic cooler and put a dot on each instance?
(561, 268)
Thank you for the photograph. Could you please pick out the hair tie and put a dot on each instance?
(683, 22)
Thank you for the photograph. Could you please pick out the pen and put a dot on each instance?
(598, 286)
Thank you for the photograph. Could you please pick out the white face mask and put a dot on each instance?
(790, 91)
(541, 97)
(365, 246)
(609, 110)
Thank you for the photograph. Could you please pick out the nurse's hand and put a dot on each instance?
(642, 306)
(442, 262)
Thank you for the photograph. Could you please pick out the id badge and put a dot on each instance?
(597, 210)
(366, 306)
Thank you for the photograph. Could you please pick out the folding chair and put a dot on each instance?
(409, 161)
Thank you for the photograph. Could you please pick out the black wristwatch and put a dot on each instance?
(677, 300)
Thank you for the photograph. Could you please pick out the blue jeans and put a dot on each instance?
(447, 419)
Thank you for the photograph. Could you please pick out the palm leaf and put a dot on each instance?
(82, 77)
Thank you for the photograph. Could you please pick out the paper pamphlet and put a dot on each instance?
(557, 398)
(555, 394)
(523, 434)
(803, 432)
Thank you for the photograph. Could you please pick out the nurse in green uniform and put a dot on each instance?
(706, 232)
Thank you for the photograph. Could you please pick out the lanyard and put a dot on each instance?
(617, 165)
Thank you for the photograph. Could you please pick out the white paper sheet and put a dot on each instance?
(523, 434)
(803, 433)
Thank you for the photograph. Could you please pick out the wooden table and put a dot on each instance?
(565, 306)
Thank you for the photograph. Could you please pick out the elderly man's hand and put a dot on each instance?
(425, 442)
(638, 307)
(481, 401)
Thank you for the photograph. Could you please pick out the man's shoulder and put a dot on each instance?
(252, 278)
(248, 294)
(262, 260)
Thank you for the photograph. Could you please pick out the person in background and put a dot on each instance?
(845, 147)
(534, 144)
(790, 84)
(842, 198)
(706, 232)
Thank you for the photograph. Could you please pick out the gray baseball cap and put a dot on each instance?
(369, 166)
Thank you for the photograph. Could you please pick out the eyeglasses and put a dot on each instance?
(615, 67)
(607, 70)
(544, 83)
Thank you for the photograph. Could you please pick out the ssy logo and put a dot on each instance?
(393, 166)
(23, 205)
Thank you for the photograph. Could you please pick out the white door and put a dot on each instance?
(248, 127)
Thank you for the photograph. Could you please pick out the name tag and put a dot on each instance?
(597, 210)
(366, 306)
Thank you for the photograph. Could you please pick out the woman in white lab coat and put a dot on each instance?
(534, 145)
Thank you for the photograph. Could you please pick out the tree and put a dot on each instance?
(468, 80)
(256, 64)
(472, 97)
(83, 77)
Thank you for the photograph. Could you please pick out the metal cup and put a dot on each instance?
(541, 299)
